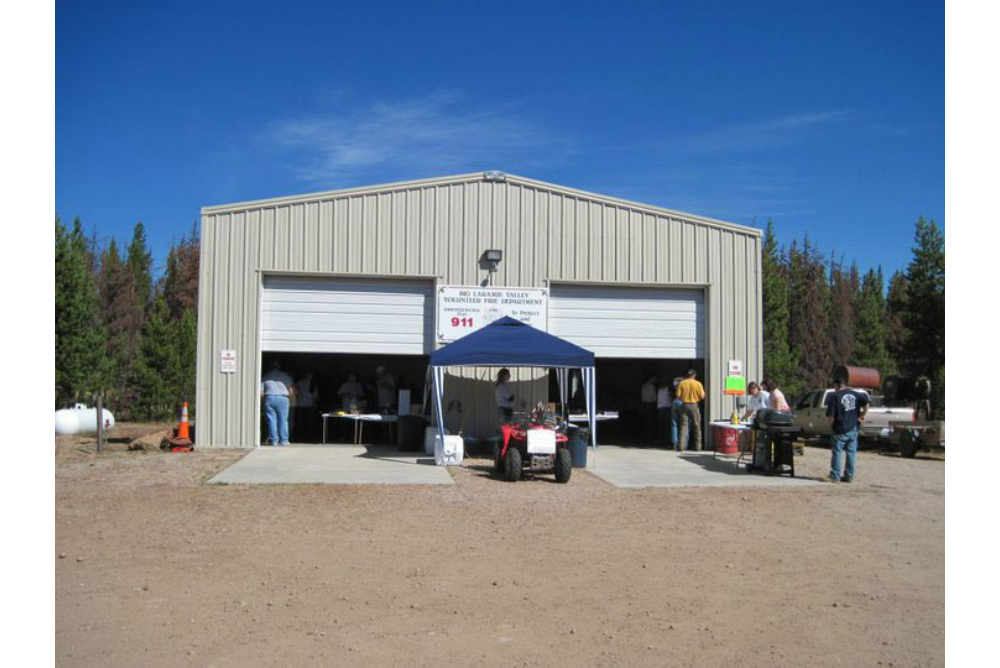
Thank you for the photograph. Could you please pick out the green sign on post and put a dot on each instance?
(736, 385)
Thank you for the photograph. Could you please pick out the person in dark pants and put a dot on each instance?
(845, 408)
(305, 410)
(665, 409)
(648, 408)
(691, 392)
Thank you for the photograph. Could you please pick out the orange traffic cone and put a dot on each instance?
(182, 441)
(182, 427)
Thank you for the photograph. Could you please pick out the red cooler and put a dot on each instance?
(726, 440)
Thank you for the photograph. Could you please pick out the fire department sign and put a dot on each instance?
(463, 310)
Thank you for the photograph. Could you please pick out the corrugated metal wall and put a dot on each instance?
(439, 228)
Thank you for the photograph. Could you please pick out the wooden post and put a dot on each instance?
(100, 425)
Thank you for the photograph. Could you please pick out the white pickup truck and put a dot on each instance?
(810, 415)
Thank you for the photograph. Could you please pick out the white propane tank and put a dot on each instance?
(81, 420)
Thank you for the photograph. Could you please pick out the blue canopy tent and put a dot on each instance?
(512, 343)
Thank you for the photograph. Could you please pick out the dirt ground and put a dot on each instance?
(153, 567)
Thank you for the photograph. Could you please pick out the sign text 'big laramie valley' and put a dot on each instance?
(494, 297)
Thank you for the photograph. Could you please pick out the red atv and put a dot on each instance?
(536, 445)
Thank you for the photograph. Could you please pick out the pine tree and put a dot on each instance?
(187, 347)
(924, 315)
(896, 331)
(779, 359)
(808, 328)
(841, 312)
(180, 284)
(871, 332)
(80, 363)
(157, 365)
(122, 316)
(140, 261)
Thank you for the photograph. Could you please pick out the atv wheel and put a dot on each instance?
(497, 461)
(564, 465)
(512, 465)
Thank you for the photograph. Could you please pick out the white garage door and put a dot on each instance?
(664, 323)
(346, 315)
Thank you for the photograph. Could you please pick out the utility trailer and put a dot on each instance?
(912, 437)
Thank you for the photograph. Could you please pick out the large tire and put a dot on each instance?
(564, 465)
(512, 465)
(908, 445)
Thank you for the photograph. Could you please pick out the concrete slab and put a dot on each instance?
(636, 467)
(334, 465)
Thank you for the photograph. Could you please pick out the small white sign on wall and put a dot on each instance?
(227, 361)
(735, 368)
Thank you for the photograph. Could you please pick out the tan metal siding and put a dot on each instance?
(440, 228)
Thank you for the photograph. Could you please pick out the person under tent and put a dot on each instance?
(503, 395)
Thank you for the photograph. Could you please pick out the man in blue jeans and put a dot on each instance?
(845, 408)
(275, 387)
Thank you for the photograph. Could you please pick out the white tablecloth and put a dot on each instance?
(359, 419)
(600, 417)
(363, 417)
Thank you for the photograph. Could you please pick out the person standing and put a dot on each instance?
(757, 400)
(776, 398)
(691, 392)
(647, 402)
(385, 383)
(350, 391)
(502, 394)
(293, 402)
(664, 411)
(845, 408)
(675, 414)
(276, 386)
(305, 413)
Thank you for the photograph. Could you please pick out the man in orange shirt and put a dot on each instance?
(690, 392)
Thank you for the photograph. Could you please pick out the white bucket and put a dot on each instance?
(430, 436)
(449, 453)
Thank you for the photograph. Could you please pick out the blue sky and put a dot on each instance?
(826, 117)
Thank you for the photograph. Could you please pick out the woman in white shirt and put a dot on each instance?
(758, 399)
(504, 397)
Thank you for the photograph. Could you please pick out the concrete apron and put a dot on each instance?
(334, 465)
(635, 467)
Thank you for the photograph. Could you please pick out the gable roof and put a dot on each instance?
(475, 177)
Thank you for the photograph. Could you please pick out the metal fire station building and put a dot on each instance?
(340, 281)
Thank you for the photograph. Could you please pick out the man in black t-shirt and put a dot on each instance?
(845, 408)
